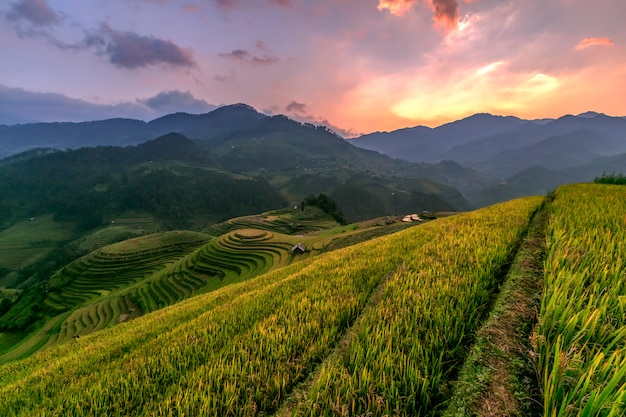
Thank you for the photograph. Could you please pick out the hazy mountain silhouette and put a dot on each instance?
(124, 132)
(502, 146)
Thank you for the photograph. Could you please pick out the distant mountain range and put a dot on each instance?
(230, 162)
(487, 158)
(544, 153)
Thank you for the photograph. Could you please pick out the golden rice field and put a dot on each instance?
(581, 336)
(243, 349)
(379, 328)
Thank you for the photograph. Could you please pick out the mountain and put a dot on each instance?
(538, 180)
(170, 177)
(502, 147)
(555, 152)
(125, 132)
(423, 144)
(113, 132)
(259, 164)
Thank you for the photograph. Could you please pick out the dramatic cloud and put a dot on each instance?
(242, 55)
(587, 42)
(446, 13)
(295, 107)
(37, 12)
(33, 18)
(177, 101)
(131, 50)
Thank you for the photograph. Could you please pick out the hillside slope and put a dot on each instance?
(242, 349)
(379, 328)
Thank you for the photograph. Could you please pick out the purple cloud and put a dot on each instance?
(295, 107)
(37, 12)
(177, 101)
(22, 106)
(242, 55)
(281, 3)
(131, 50)
(233, 4)
(226, 78)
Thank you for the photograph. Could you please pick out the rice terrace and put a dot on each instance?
(518, 308)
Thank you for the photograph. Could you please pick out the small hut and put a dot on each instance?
(299, 248)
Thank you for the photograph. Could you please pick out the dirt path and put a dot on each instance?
(498, 377)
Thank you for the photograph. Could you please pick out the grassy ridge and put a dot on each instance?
(582, 326)
(498, 376)
(242, 349)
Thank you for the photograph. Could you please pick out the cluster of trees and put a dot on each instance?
(618, 179)
(327, 205)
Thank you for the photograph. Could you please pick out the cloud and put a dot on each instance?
(446, 12)
(234, 4)
(281, 3)
(226, 78)
(396, 7)
(33, 18)
(192, 8)
(242, 55)
(21, 106)
(177, 101)
(131, 50)
(295, 107)
(587, 42)
(37, 12)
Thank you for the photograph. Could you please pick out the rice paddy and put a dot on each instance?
(234, 326)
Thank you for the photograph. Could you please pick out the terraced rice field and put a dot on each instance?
(380, 328)
(283, 221)
(411, 302)
(25, 243)
(122, 281)
(94, 288)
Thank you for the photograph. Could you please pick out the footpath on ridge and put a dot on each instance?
(499, 376)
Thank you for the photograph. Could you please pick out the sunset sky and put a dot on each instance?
(355, 65)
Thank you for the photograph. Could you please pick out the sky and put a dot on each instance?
(356, 66)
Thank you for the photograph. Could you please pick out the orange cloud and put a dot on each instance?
(587, 42)
(395, 7)
(446, 12)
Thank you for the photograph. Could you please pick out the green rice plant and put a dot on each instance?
(581, 334)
